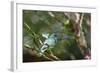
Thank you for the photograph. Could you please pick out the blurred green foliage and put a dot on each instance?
(35, 23)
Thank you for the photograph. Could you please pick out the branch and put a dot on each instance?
(82, 42)
(33, 52)
(52, 55)
(47, 57)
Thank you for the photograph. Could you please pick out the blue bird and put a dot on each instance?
(51, 41)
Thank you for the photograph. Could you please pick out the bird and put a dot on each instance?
(51, 41)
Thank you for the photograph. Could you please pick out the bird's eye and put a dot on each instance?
(55, 35)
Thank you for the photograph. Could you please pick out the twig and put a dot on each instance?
(47, 57)
(81, 21)
(52, 55)
(39, 51)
